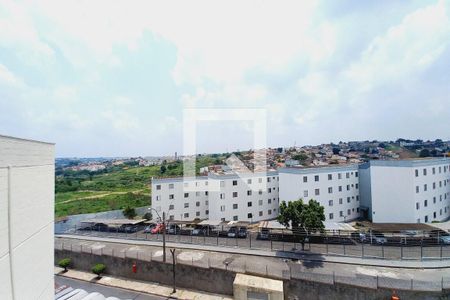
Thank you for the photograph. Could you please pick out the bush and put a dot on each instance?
(98, 269)
(64, 263)
(129, 212)
(147, 216)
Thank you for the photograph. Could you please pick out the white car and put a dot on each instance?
(445, 239)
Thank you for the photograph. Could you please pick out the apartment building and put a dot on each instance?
(406, 191)
(27, 177)
(248, 197)
(336, 188)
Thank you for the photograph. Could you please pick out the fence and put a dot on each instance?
(281, 270)
(388, 246)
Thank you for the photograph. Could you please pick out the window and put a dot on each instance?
(348, 212)
(249, 193)
(206, 202)
(207, 212)
(260, 213)
(340, 188)
(348, 187)
(158, 198)
(339, 176)
(249, 181)
(426, 217)
(348, 199)
(425, 203)
(269, 190)
(158, 186)
(222, 208)
(260, 180)
(330, 190)
(347, 175)
(222, 195)
(197, 203)
(197, 194)
(434, 199)
(249, 204)
(269, 212)
(171, 217)
(171, 186)
(330, 176)
(340, 200)
(260, 202)
(186, 195)
(434, 185)
(434, 172)
(171, 196)
(330, 216)
(434, 215)
(197, 214)
(249, 215)
(305, 193)
(234, 182)
(356, 174)
(235, 218)
(356, 186)
(341, 213)
(417, 205)
(186, 215)
(235, 206)
(316, 178)
(417, 189)
(357, 198)
(235, 194)
(425, 174)
(206, 193)
(305, 178)
(186, 205)
(416, 172)
(317, 192)
(171, 207)
(269, 201)
(268, 179)
(330, 202)
(424, 187)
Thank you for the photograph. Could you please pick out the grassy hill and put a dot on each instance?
(79, 192)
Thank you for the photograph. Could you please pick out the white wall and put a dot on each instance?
(345, 203)
(26, 219)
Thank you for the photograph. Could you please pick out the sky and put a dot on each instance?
(114, 78)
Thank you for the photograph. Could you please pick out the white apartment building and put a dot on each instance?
(27, 177)
(336, 188)
(406, 191)
(248, 197)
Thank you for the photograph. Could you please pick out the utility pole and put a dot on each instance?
(173, 269)
(164, 236)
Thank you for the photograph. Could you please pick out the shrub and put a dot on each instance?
(98, 269)
(64, 263)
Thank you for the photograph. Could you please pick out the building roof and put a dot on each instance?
(114, 221)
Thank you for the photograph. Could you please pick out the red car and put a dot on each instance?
(158, 228)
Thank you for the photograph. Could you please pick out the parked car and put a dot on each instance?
(159, 228)
(445, 239)
(148, 229)
(242, 233)
(232, 232)
(379, 238)
(359, 236)
(173, 229)
(100, 227)
(263, 234)
(127, 228)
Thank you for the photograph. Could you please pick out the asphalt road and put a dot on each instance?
(104, 290)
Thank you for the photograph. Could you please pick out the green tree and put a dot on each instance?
(424, 153)
(129, 212)
(98, 269)
(303, 218)
(163, 169)
(64, 263)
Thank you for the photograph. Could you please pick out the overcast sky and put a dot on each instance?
(111, 78)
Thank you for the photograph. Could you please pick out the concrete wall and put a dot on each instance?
(190, 277)
(221, 281)
(26, 219)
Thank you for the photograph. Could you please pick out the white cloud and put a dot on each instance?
(8, 78)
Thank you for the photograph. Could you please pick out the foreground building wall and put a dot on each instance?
(26, 219)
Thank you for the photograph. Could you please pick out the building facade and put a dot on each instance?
(27, 177)
(406, 191)
(397, 191)
(248, 197)
(336, 188)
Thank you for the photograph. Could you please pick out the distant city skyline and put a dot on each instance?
(113, 79)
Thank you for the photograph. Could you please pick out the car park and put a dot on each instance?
(232, 232)
(242, 232)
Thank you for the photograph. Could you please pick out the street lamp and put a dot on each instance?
(164, 230)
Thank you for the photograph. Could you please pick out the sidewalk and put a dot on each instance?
(305, 256)
(140, 286)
